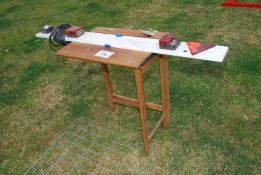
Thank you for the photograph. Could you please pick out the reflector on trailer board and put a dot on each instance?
(196, 48)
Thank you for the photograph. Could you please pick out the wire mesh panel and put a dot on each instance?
(85, 148)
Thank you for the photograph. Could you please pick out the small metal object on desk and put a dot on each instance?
(149, 32)
(47, 29)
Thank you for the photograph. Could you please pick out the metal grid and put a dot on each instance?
(85, 148)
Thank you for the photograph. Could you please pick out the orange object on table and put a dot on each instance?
(196, 48)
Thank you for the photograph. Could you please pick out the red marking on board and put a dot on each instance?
(195, 47)
(234, 3)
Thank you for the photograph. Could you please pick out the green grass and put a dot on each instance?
(215, 107)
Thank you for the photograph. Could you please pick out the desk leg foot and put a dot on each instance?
(107, 83)
(142, 107)
(164, 81)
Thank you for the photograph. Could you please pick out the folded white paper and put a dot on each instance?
(104, 54)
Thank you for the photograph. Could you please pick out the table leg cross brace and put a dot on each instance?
(140, 102)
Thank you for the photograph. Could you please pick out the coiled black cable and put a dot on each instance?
(57, 36)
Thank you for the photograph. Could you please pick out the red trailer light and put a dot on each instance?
(169, 42)
(75, 31)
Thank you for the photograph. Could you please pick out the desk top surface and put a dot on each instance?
(121, 57)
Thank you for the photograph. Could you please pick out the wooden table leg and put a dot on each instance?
(107, 82)
(142, 107)
(164, 81)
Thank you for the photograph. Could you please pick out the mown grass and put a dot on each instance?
(215, 107)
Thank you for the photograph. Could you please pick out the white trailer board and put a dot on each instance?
(216, 53)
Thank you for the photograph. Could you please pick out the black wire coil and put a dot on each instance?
(57, 37)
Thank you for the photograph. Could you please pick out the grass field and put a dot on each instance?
(215, 123)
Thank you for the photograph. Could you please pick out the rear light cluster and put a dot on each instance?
(74, 31)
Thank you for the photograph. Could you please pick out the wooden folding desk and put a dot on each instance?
(139, 62)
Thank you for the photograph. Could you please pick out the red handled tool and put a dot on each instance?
(234, 3)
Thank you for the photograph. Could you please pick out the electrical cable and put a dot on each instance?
(57, 36)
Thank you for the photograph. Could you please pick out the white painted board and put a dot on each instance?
(216, 53)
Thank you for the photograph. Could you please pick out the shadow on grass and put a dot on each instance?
(194, 67)
(4, 23)
(99, 8)
(79, 108)
(10, 10)
(31, 45)
(27, 81)
(247, 62)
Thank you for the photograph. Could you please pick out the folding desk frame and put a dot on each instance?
(140, 102)
(139, 62)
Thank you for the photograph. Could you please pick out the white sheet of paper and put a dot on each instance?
(104, 54)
